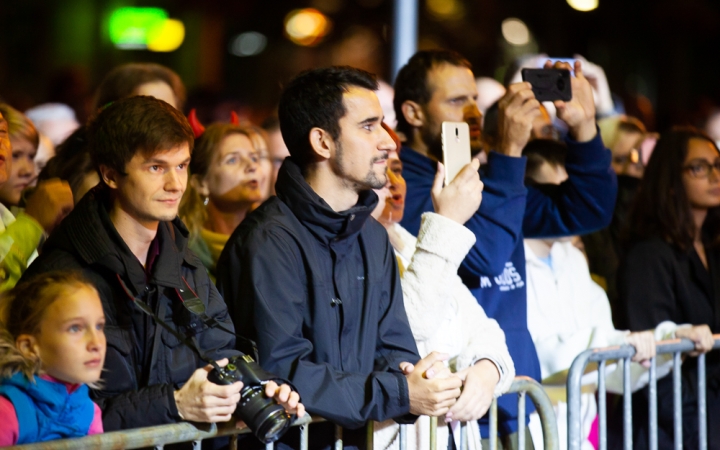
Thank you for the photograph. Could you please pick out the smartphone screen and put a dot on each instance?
(456, 148)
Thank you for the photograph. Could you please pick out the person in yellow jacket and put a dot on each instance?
(46, 206)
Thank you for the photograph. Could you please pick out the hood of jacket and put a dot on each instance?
(323, 222)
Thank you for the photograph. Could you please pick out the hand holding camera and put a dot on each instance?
(240, 388)
(517, 111)
(579, 112)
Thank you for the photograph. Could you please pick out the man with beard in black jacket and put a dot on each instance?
(124, 235)
(313, 278)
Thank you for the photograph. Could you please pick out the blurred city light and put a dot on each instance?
(145, 28)
(248, 44)
(307, 26)
(166, 37)
(445, 9)
(515, 31)
(583, 5)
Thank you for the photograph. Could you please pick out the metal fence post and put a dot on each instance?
(602, 406)
(677, 400)
(463, 436)
(433, 433)
(338, 438)
(521, 420)
(627, 406)
(702, 402)
(653, 425)
(493, 425)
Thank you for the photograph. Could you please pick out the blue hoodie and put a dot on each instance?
(494, 269)
(46, 410)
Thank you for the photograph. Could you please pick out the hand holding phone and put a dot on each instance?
(456, 148)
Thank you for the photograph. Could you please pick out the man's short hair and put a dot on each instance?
(315, 99)
(136, 124)
(412, 80)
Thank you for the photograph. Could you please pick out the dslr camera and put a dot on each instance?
(267, 420)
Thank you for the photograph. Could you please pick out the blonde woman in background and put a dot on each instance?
(228, 180)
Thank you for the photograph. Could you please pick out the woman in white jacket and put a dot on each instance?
(443, 314)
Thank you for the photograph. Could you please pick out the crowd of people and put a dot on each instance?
(325, 244)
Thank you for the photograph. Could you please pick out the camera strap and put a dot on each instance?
(188, 342)
(191, 301)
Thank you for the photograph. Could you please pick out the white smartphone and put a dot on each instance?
(456, 148)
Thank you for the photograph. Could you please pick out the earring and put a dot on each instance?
(205, 202)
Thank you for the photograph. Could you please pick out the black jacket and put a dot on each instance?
(144, 363)
(658, 282)
(324, 292)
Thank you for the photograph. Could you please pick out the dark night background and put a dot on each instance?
(658, 53)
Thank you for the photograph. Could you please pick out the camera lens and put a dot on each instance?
(267, 419)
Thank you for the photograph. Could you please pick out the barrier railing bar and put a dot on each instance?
(544, 408)
(369, 435)
(156, 436)
(521, 420)
(304, 436)
(338, 438)
(493, 425)
(627, 406)
(463, 436)
(702, 402)
(602, 406)
(625, 352)
(433, 433)
(652, 413)
(161, 435)
(677, 401)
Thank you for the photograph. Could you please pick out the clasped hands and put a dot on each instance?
(436, 391)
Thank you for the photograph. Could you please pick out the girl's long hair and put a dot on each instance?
(21, 312)
(661, 208)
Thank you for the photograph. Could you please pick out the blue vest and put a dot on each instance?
(46, 411)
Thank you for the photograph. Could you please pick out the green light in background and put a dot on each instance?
(130, 27)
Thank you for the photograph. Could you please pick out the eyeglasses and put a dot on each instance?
(702, 169)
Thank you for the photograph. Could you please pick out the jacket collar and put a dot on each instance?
(314, 212)
(88, 232)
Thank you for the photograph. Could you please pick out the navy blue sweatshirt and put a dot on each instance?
(494, 269)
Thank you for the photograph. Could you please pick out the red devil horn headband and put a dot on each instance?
(197, 127)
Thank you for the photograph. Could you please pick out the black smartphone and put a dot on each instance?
(549, 85)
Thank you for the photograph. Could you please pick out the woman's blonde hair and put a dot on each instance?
(22, 310)
(192, 207)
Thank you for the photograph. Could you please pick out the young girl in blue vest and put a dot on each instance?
(52, 345)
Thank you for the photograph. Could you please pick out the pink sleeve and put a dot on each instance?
(96, 427)
(9, 427)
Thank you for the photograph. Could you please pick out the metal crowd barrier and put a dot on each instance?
(625, 353)
(162, 435)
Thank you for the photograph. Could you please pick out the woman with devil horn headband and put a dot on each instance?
(229, 176)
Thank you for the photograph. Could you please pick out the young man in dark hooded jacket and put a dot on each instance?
(126, 238)
(313, 278)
